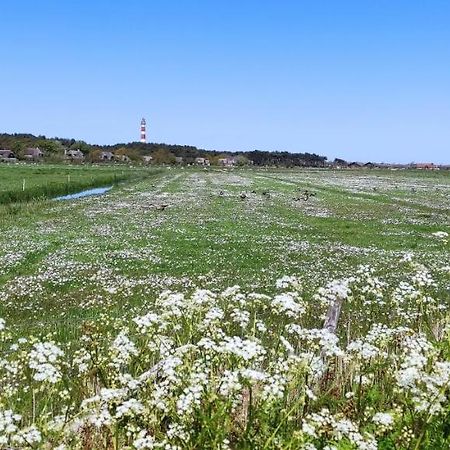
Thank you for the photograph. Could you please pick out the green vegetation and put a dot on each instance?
(122, 325)
(19, 183)
(54, 148)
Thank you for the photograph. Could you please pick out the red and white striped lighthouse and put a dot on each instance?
(143, 131)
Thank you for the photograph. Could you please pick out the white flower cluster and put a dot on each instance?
(43, 359)
(385, 420)
(287, 303)
(287, 282)
(123, 349)
(422, 377)
(334, 289)
(10, 433)
(235, 357)
(334, 429)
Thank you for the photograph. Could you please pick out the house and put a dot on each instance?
(424, 166)
(227, 162)
(106, 156)
(147, 159)
(202, 161)
(33, 153)
(7, 156)
(354, 165)
(74, 155)
(178, 159)
(371, 165)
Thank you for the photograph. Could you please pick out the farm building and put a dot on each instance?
(7, 156)
(33, 153)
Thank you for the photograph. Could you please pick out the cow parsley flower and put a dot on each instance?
(384, 419)
(287, 281)
(123, 349)
(43, 359)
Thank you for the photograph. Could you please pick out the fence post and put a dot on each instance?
(23, 185)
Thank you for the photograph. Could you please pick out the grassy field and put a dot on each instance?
(24, 182)
(127, 324)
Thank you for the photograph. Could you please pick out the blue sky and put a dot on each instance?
(362, 80)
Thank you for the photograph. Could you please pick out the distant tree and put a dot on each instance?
(94, 155)
(50, 147)
(80, 145)
(131, 153)
(340, 162)
(242, 160)
(18, 148)
(163, 156)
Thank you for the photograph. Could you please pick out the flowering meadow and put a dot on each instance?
(213, 309)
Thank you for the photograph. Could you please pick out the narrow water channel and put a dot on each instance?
(85, 193)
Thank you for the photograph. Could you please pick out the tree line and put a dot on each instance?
(161, 153)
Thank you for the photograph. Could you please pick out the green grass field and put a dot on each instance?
(22, 182)
(97, 354)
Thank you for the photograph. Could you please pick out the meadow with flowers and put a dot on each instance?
(228, 309)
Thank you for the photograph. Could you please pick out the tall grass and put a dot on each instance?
(54, 188)
(24, 185)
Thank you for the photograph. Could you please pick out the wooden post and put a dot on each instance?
(23, 184)
(331, 321)
(334, 311)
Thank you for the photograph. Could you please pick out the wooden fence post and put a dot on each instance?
(334, 311)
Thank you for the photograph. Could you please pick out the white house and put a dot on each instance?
(202, 161)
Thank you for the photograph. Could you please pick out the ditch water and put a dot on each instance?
(85, 193)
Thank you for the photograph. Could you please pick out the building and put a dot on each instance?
(74, 155)
(7, 156)
(424, 166)
(178, 159)
(202, 161)
(147, 159)
(106, 156)
(227, 162)
(33, 153)
(143, 135)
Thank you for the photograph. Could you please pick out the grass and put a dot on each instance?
(22, 183)
(76, 273)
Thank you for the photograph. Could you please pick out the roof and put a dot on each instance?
(7, 154)
(35, 151)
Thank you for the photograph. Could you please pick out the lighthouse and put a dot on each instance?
(143, 131)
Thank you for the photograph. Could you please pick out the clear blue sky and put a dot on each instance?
(363, 80)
